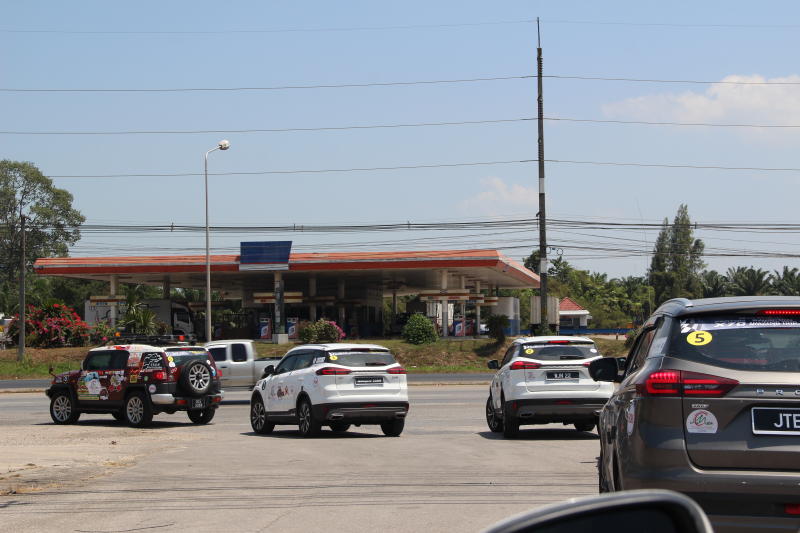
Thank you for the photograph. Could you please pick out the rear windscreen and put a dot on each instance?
(738, 342)
(181, 355)
(361, 358)
(558, 352)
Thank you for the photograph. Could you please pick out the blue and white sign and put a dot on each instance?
(265, 255)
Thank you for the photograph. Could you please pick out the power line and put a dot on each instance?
(667, 123)
(649, 80)
(266, 88)
(276, 30)
(437, 165)
(270, 130)
(674, 24)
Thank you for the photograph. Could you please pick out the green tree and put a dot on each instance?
(51, 223)
(677, 260)
(786, 283)
(749, 281)
(713, 284)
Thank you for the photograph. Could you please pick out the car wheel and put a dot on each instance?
(202, 416)
(510, 422)
(584, 426)
(63, 409)
(138, 411)
(196, 378)
(494, 422)
(393, 428)
(306, 423)
(339, 427)
(258, 417)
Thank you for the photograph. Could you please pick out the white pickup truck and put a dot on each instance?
(239, 362)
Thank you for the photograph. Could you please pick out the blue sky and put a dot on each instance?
(150, 45)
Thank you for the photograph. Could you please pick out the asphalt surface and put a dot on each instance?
(412, 378)
(446, 472)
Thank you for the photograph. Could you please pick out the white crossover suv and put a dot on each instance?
(542, 380)
(334, 385)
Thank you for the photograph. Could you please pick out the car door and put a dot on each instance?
(501, 376)
(219, 352)
(94, 377)
(299, 378)
(277, 388)
(239, 368)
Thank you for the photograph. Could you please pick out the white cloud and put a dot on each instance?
(723, 103)
(498, 198)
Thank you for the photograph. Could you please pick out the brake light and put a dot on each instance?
(333, 371)
(557, 342)
(219, 373)
(587, 364)
(774, 312)
(524, 365)
(181, 337)
(396, 370)
(681, 383)
(159, 375)
(792, 508)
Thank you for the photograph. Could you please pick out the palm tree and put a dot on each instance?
(714, 284)
(749, 281)
(786, 283)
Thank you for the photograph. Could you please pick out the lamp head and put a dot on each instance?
(224, 144)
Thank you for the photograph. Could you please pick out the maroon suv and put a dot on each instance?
(136, 381)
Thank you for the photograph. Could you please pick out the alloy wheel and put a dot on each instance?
(62, 408)
(258, 415)
(199, 377)
(135, 410)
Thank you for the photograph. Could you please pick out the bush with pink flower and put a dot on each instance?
(320, 331)
(51, 326)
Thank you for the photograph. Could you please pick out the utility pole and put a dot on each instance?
(544, 325)
(21, 322)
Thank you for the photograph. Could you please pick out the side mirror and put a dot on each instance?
(621, 363)
(605, 369)
(624, 512)
(494, 364)
(268, 371)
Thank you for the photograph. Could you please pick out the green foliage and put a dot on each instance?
(677, 260)
(51, 326)
(419, 330)
(321, 331)
(497, 325)
(51, 223)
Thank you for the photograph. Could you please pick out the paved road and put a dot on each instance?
(445, 473)
(412, 378)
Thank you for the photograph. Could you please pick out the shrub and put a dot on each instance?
(320, 331)
(497, 325)
(51, 326)
(419, 330)
(101, 332)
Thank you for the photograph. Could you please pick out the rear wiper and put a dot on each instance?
(571, 357)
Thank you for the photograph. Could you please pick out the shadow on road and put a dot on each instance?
(111, 423)
(294, 434)
(544, 434)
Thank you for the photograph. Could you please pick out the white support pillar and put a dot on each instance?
(312, 293)
(340, 296)
(113, 286)
(280, 318)
(445, 304)
(477, 310)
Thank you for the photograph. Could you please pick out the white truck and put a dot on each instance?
(239, 362)
(176, 315)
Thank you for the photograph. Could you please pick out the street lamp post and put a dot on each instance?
(223, 145)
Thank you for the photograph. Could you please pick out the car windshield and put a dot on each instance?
(558, 352)
(181, 355)
(361, 358)
(770, 343)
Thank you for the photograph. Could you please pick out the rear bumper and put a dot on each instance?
(544, 411)
(361, 413)
(181, 403)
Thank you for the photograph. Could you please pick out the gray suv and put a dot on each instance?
(708, 404)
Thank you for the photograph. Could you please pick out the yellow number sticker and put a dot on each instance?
(699, 338)
(529, 351)
(334, 357)
(170, 358)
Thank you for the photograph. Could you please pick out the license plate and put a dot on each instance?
(775, 421)
(198, 403)
(561, 375)
(374, 381)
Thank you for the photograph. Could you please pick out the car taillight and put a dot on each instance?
(778, 312)
(587, 364)
(557, 342)
(159, 375)
(396, 370)
(682, 383)
(524, 365)
(333, 371)
(219, 373)
(792, 508)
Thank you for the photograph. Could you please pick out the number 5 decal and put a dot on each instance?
(699, 338)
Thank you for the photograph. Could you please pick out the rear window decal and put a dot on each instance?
(318, 360)
(738, 323)
(152, 360)
(529, 351)
(334, 357)
(699, 338)
(701, 421)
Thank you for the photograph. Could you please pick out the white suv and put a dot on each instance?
(542, 380)
(334, 385)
